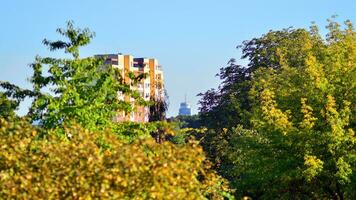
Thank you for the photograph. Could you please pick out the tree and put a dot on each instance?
(11, 98)
(74, 88)
(7, 106)
(187, 121)
(228, 105)
(301, 115)
(157, 112)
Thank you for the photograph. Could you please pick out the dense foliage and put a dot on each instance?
(284, 126)
(186, 121)
(7, 106)
(87, 165)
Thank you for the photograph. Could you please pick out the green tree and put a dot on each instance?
(228, 105)
(184, 121)
(301, 112)
(11, 98)
(303, 115)
(74, 88)
(7, 106)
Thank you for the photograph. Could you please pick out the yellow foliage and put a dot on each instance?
(308, 121)
(274, 116)
(86, 165)
(314, 167)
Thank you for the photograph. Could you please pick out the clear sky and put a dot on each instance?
(191, 39)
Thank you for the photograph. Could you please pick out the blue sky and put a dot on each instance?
(191, 39)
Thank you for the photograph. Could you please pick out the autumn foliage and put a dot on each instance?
(86, 165)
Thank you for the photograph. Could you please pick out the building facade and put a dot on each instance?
(150, 88)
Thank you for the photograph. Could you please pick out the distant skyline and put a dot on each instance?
(191, 39)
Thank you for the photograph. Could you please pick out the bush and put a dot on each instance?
(84, 165)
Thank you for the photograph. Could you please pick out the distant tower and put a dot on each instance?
(184, 108)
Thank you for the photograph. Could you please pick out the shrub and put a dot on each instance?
(84, 165)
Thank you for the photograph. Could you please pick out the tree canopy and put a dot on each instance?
(283, 126)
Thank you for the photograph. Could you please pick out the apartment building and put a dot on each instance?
(152, 87)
